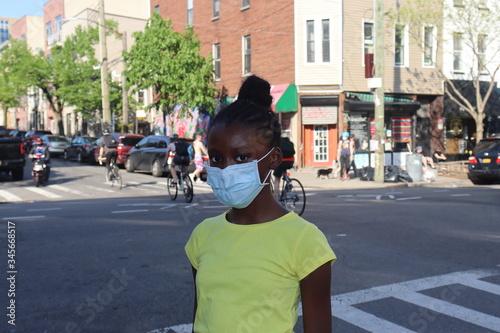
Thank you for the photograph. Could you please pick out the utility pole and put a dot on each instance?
(379, 92)
(124, 86)
(106, 109)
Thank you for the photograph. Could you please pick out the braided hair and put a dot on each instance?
(253, 109)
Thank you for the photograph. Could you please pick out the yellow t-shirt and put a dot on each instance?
(248, 275)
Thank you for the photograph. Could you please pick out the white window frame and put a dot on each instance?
(247, 55)
(365, 42)
(189, 12)
(310, 42)
(482, 42)
(403, 46)
(458, 51)
(326, 44)
(245, 4)
(315, 43)
(215, 8)
(216, 60)
(433, 46)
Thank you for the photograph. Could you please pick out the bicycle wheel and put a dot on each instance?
(116, 178)
(172, 188)
(188, 189)
(293, 196)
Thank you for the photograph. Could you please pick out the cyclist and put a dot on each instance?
(288, 151)
(108, 149)
(181, 156)
(40, 149)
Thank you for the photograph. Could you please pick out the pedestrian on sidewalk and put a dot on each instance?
(256, 253)
(344, 153)
(199, 152)
(353, 150)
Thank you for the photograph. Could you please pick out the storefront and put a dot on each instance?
(319, 116)
(399, 127)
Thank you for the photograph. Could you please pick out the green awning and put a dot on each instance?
(284, 98)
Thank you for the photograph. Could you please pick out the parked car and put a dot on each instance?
(148, 155)
(17, 133)
(56, 144)
(79, 149)
(30, 136)
(484, 164)
(12, 157)
(125, 143)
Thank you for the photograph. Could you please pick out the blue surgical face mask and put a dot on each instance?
(237, 185)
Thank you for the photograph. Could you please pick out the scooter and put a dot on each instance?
(39, 169)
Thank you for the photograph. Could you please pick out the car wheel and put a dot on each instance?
(157, 169)
(478, 181)
(17, 174)
(128, 165)
(65, 155)
(79, 156)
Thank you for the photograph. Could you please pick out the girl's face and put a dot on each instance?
(228, 145)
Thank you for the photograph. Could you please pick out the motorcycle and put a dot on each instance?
(39, 170)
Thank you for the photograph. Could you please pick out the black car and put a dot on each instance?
(484, 164)
(79, 149)
(148, 155)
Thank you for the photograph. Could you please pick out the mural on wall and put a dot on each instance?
(158, 126)
(185, 122)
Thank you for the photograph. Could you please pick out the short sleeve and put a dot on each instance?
(191, 249)
(312, 251)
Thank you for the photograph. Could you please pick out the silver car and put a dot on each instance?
(55, 143)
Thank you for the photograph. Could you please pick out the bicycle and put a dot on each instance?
(184, 184)
(292, 195)
(113, 177)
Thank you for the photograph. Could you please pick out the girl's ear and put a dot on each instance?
(276, 157)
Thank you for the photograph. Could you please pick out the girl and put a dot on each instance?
(252, 263)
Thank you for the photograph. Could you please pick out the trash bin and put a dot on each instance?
(414, 167)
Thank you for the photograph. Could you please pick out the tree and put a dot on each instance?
(467, 32)
(12, 85)
(170, 62)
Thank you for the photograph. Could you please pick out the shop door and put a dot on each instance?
(320, 144)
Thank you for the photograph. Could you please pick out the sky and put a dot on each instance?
(19, 8)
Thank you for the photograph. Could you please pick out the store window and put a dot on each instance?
(320, 143)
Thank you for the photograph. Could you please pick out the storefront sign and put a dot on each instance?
(319, 115)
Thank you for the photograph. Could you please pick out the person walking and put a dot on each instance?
(344, 153)
(256, 259)
(199, 151)
(352, 138)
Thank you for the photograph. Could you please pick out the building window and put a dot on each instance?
(245, 3)
(247, 55)
(310, 40)
(157, 9)
(57, 36)
(326, 40)
(189, 12)
(216, 5)
(457, 52)
(481, 51)
(429, 48)
(368, 39)
(216, 56)
(140, 97)
(48, 30)
(399, 45)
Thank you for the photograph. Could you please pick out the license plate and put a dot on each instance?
(38, 168)
(486, 160)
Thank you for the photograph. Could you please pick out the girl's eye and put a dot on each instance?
(215, 159)
(241, 158)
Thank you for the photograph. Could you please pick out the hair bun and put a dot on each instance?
(257, 90)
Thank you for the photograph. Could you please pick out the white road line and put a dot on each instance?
(23, 217)
(94, 188)
(66, 189)
(409, 198)
(460, 195)
(366, 320)
(452, 310)
(41, 209)
(43, 192)
(142, 204)
(215, 207)
(9, 196)
(482, 285)
(129, 211)
(167, 206)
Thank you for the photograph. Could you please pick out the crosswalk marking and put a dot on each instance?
(9, 196)
(43, 192)
(343, 306)
(66, 189)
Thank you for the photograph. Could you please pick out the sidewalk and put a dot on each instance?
(308, 178)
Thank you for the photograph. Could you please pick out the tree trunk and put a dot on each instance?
(479, 126)
(3, 120)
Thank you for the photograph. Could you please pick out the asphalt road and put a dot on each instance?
(89, 258)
